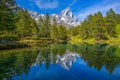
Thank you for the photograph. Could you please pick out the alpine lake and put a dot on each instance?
(61, 62)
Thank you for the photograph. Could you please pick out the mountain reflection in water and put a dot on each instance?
(65, 61)
(62, 62)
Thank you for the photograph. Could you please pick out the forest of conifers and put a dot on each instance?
(16, 24)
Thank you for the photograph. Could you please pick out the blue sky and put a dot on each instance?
(80, 8)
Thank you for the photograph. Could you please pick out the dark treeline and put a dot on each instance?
(14, 20)
(17, 22)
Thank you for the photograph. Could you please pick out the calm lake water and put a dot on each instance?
(61, 62)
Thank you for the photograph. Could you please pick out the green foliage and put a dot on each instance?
(7, 17)
(18, 22)
(59, 33)
(98, 27)
(84, 30)
(94, 55)
(62, 32)
(73, 31)
(51, 30)
(110, 23)
(26, 26)
(115, 17)
(44, 26)
(15, 21)
(117, 30)
(54, 32)
(16, 60)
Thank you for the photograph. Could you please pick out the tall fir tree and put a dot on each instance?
(84, 30)
(54, 30)
(110, 23)
(99, 26)
(48, 26)
(26, 26)
(44, 26)
(62, 32)
(7, 16)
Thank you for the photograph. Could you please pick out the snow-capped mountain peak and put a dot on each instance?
(67, 12)
(66, 17)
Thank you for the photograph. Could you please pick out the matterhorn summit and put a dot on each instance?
(67, 12)
(67, 18)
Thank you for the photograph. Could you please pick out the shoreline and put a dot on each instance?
(27, 43)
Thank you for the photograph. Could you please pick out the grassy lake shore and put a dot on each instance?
(76, 40)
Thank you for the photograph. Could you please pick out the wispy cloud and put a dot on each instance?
(46, 4)
(102, 7)
(74, 1)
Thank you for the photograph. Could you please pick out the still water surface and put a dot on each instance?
(61, 62)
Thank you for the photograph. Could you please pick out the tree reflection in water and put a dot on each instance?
(14, 62)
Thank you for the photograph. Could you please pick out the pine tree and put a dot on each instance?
(7, 16)
(118, 18)
(26, 26)
(112, 15)
(44, 26)
(84, 30)
(47, 26)
(62, 33)
(20, 25)
(110, 23)
(99, 26)
(54, 30)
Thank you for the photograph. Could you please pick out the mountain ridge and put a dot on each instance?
(66, 17)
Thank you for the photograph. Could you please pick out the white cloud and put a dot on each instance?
(46, 4)
(74, 1)
(102, 7)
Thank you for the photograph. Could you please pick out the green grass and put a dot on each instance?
(77, 39)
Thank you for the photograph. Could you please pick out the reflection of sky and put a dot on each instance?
(78, 71)
(117, 71)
